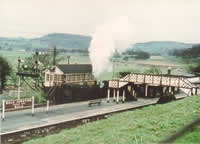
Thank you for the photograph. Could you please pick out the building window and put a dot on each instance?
(56, 77)
(47, 77)
(51, 77)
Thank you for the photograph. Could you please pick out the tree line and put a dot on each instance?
(192, 52)
(136, 54)
(191, 56)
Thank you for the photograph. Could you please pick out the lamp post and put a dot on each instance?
(113, 75)
(169, 71)
(19, 82)
(0, 84)
(68, 57)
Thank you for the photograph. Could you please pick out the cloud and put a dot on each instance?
(176, 20)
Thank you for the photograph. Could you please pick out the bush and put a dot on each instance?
(142, 55)
(125, 58)
(153, 70)
(39, 97)
(122, 74)
(5, 70)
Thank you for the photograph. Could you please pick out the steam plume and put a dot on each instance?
(116, 34)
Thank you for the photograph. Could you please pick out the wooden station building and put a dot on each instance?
(68, 73)
(70, 82)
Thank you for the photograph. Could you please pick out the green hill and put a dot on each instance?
(160, 47)
(74, 41)
(65, 40)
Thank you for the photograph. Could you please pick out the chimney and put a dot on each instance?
(54, 55)
(169, 71)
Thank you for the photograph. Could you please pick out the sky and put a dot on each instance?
(152, 20)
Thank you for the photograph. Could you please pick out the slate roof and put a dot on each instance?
(75, 68)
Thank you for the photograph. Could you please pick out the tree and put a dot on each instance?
(153, 70)
(190, 56)
(116, 54)
(5, 70)
(142, 55)
(195, 69)
(45, 62)
(124, 73)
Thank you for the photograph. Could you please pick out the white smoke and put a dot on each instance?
(116, 34)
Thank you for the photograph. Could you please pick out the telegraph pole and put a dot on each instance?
(1, 90)
(68, 57)
(113, 75)
(54, 55)
(19, 82)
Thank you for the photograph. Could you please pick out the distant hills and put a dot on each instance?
(73, 41)
(65, 40)
(60, 40)
(160, 47)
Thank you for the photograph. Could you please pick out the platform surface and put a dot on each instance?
(22, 120)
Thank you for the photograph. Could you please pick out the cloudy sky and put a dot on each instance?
(174, 20)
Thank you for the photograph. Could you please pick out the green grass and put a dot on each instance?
(75, 58)
(193, 136)
(147, 125)
(12, 56)
(121, 65)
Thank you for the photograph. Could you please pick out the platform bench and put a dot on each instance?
(96, 101)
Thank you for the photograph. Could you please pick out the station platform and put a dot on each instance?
(22, 120)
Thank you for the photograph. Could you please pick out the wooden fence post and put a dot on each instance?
(33, 105)
(3, 109)
(47, 106)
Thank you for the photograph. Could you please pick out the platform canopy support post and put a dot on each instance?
(195, 91)
(133, 92)
(114, 95)
(123, 98)
(117, 96)
(170, 89)
(146, 90)
(108, 95)
(175, 89)
(192, 92)
(164, 90)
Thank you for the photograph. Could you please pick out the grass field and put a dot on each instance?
(147, 125)
(192, 137)
(120, 65)
(12, 56)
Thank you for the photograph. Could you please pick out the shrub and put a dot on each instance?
(153, 70)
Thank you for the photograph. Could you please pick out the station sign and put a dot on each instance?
(18, 104)
(12, 105)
